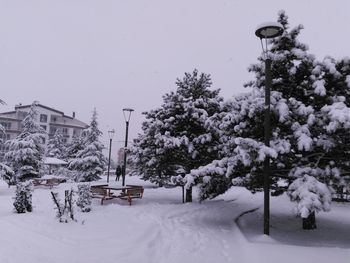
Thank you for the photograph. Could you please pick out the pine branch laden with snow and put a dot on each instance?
(310, 196)
(56, 146)
(338, 116)
(73, 147)
(7, 174)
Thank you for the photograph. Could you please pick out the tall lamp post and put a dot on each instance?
(110, 134)
(266, 31)
(127, 114)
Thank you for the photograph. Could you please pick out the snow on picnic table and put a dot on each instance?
(157, 228)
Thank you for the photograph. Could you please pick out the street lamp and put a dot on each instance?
(110, 135)
(265, 31)
(127, 114)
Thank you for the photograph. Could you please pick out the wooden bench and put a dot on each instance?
(46, 182)
(132, 193)
(103, 194)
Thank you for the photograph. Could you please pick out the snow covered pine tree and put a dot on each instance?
(175, 136)
(89, 162)
(310, 124)
(26, 151)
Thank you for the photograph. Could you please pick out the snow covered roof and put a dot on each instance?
(39, 105)
(52, 160)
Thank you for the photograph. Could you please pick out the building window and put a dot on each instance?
(43, 118)
(76, 132)
(6, 125)
(22, 115)
(53, 130)
(43, 126)
(64, 131)
(53, 118)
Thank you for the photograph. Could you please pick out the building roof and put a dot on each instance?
(8, 115)
(17, 107)
(63, 120)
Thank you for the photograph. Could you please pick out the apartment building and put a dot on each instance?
(49, 119)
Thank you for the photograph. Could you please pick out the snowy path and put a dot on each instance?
(192, 233)
(155, 229)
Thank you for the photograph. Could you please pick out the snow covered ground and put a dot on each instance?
(159, 228)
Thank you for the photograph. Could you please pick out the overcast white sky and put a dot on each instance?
(75, 55)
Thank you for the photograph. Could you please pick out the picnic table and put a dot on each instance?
(128, 193)
(50, 182)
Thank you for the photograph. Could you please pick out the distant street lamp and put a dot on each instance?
(110, 134)
(127, 114)
(265, 31)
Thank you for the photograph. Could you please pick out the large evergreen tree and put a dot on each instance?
(310, 125)
(89, 162)
(26, 152)
(175, 136)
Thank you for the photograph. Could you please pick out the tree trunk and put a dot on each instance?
(189, 195)
(309, 223)
(160, 182)
(183, 194)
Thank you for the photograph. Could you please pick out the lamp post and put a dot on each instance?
(127, 114)
(266, 31)
(110, 134)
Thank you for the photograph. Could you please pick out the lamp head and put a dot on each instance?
(111, 133)
(127, 113)
(269, 30)
(128, 109)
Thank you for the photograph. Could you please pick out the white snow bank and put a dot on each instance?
(159, 228)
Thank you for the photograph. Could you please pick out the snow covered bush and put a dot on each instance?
(84, 197)
(310, 196)
(23, 199)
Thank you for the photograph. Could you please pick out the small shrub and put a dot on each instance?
(23, 198)
(84, 197)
